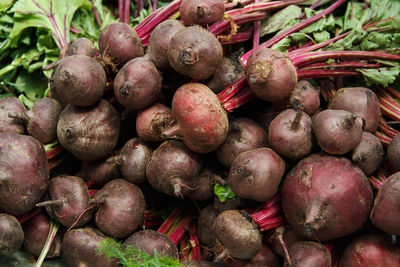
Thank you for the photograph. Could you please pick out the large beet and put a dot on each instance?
(393, 153)
(7, 124)
(326, 197)
(12, 235)
(24, 173)
(89, 133)
(368, 155)
(309, 254)
(228, 71)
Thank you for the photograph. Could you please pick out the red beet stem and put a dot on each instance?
(194, 241)
(52, 150)
(318, 73)
(264, 6)
(240, 37)
(232, 90)
(166, 225)
(224, 25)
(241, 98)
(386, 128)
(90, 183)
(29, 215)
(127, 10)
(148, 19)
(384, 139)
(376, 183)
(257, 26)
(80, 216)
(179, 230)
(343, 64)
(233, 4)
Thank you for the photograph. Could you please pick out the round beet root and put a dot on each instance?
(201, 12)
(238, 234)
(137, 84)
(41, 119)
(81, 46)
(172, 168)
(24, 173)
(385, 214)
(372, 250)
(393, 153)
(89, 133)
(202, 122)
(100, 171)
(79, 80)
(244, 134)
(368, 154)
(69, 198)
(119, 43)
(195, 52)
(270, 74)
(159, 40)
(121, 208)
(150, 240)
(256, 174)
(361, 101)
(226, 73)
(309, 254)
(204, 226)
(36, 232)
(12, 235)
(79, 248)
(7, 124)
(290, 134)
(326, 197)
(265, 257)
(337, 131)
(304, 97)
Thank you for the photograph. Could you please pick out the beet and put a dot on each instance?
(24, 173)
(81, 46)
(79, 80)
(326, 197)
(385, 214)
(204, 188)
(204, 226)
(137, 84)
(41, 119)
(304, 97)
(393, 153)
(244, 134)
(159, 40)
(290, 134)
(270, 74)
(202, 122)
(150, 240)
(371, 250)
(36, 232)
(121, 208)
(100, 171)
(289, 238)
(368, 154)
(172, 168)
(12, 235)
(238, 234)
(201, 12)
(79, 248)
(228, 71)
(361, 101)
(256, 174)
(89, 133)
(337, 131)
(309, 254)
(119, 43)
(195, 52)
(7, 124)
(69, 198)
(152, 121)
(265, 257)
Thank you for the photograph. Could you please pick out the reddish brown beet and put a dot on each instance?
(204, 226)
(24, 173)
(368, 154)
(265, 257)
(195, 52)
(289, 238)
(361, 101)
(304, 97)
(201, 12)
(12, 235)
(326, 197)
(100, 171)
(244, 134)
(204, 188)
(228, 71)
(81, 46)
(393, 153)
(309, 254)
(7, 124)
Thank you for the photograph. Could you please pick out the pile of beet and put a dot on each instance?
(138, 141)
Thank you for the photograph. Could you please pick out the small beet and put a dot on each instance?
(100, 171)
(368, 155)
(309, 254)
(7, 124)
(393, 153)
(81, 46)
(150, 240)
(265, 257)
(204, 226)
(195, 52)
(204, 188)
(228, 71)
(89, 133)
(201, 12)
(304, 97)
(12, 235)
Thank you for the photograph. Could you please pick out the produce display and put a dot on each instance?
(200, 133)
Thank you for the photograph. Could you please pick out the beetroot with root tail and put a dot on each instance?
(309, 254)
(201, 12)
(121, 208)
(81, 46)
(119, 43)
(204, 226)
(282, 239)
(41, 120)
(100, 171)
(137, 84)
(270, 74)
(78, 80)
(368, 155)
(89, 133)
(12, 235)
(290, 134)
(393, 153)
(172, 168)
(304, 97)
(7, 124)
(361, 101)
(337, 131)
(228, 71)
(244, 134)
(371, 250)
(195, 52)
(326, 197)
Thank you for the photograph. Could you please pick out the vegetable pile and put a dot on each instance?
(200, 133)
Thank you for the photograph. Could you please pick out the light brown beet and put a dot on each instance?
(81, 46)
(195, 52)
(89, 133)
(7, 124)
(393, 153)
(204, 226)
(228, 71)
(201, 12)
(304, 97)
(309, 254)
(368, 155)
(12, 235)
